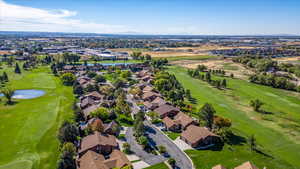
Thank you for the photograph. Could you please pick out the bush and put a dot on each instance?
(126, 148)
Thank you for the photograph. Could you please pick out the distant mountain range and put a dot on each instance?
(134, 35)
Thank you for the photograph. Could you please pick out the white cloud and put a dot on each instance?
(22, 18)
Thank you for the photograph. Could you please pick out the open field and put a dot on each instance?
(237, 69)
(278, 133)
(288, 59)
(198, 51)
(28, 128)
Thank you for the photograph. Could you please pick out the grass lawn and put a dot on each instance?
(172, 135)
(275, 132)
(158, 166)
(28, 128)
(233, 156)
(196, 57)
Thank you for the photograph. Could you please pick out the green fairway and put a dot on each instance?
(28, 128)
(158, 166)
(278, 133)
(233, 156)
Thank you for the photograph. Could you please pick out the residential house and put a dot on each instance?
(86, 111)
(98, 142)
(93, 160)
(219, 167)
(180, 122)
(198, 137)
(166, 110)
(148, 89)
(150, 96)
(86, 102)
(112, 128)
(158, 101)
(246, 165)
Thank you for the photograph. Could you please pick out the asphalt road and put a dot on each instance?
(159, 138)
(149, 158)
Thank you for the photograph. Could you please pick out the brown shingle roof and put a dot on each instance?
(97, 139)
(246, 165)
(87, 101)
(93, 160)
(183, 119)
(148, 89)
(164, 109)
(168, 122)
(117, 160)
(219, 167)
(147, 95)
(193, 133)
(159, 101)
(95, 95)
(89, 109)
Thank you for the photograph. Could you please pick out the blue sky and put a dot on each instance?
(214, 17)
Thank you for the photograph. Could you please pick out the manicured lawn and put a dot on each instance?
(283, 143)
(158, 166)
(233, 156)
(172, 135)
(28, 128)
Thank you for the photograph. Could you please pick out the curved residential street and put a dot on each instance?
(159, 138)
(149, 158)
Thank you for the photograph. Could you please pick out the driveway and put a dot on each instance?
(149, 158)
(159, 138)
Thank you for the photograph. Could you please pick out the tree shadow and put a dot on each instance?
(11, 103)
(263, 153)
(233, 139)
(193, 100)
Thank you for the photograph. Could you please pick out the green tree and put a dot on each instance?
(256, 104)
(172, 161)
(101, 113)
(142, 140)
(17, 69)
(68, 132)
(100, 78)
(67, 160)
(162, 149)
(68, 79)
(207, 114)
(126, 148)
(8, 94)
(224, 83)
(5, 77)
(252, 143)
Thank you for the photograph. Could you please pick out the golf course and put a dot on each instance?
(28, 128)
(277, 133)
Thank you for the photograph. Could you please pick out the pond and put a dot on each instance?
(27, 94)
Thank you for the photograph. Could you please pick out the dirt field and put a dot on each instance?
(230, 67)
(288, 59)
(181, 51)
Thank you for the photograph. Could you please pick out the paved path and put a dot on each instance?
(159, 138)
(138, 150)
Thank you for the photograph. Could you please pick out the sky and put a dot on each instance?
(190, 17)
